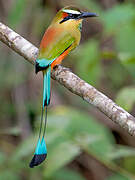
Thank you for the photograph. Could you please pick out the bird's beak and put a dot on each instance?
(87, 14)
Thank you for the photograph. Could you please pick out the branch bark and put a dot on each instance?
(71, 81)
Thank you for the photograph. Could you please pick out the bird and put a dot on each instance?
(61, 37)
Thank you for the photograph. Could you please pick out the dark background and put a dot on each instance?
(83, 144)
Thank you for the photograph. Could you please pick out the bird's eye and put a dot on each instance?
(73, 16)
(70, 15)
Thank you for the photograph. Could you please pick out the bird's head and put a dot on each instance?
(72, 13)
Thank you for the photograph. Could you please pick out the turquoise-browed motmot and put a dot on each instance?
(61, 37)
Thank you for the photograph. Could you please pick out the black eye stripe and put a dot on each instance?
(65, 19)
(70, 16)
(73, 16)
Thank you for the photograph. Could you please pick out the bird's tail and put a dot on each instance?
(40, 153)
(46, 86)
(41, 150)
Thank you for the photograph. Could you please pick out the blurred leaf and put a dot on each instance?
(42, 20)
(86, 126)
(8, 175)
(125, 43)
(2, 158)
(60, 156)
(129, 164)
(121, 151)
(108, 54)
(73, 130)
(17, 12)
(91, 5)
(24, 149)
(125, 39)
(11, 80)
(67, 174)
(116, 75)
(126, 58)
(126, 98)
(118, 177)
(85, 139)
(88, 64)
(11, 131)
(82, 130)
(117, 16)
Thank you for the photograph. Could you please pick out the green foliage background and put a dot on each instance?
(82, 143)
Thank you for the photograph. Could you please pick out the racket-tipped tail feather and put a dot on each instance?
(40, 153)
(37, 159)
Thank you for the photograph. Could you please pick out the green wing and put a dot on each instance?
(58, 45)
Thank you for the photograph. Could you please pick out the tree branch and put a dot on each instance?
(71, 81)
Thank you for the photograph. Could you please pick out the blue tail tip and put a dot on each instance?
(37, 160)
